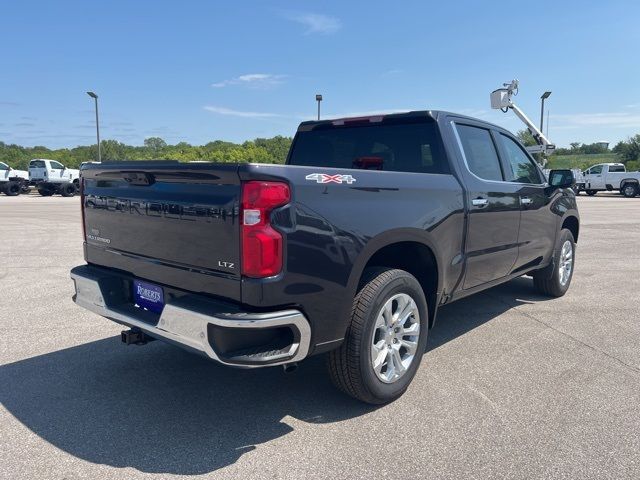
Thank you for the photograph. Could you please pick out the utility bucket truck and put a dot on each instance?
(502, 99)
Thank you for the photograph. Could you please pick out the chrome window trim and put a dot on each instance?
(454, 126)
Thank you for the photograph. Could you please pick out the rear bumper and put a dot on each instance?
(220, 331)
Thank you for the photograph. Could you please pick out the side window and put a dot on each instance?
(56, 165)
(595, 170)
(616, 168)
(4, 167)
(480, 152)
(522, 169)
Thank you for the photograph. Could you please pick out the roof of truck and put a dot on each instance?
(379, 117)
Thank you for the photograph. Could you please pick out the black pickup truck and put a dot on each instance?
(348, 249)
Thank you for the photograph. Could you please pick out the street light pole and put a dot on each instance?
(318, 99)
(95, 98)
(544, 96)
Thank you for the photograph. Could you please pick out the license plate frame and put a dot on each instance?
(148, 296)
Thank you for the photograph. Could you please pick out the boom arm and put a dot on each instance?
(502, 99)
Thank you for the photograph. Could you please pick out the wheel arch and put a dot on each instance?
(411, 250)
(572, 224)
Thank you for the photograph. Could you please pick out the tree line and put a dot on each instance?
(260, 150)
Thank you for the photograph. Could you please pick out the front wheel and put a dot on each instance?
(556, 283)
(591, 193)
(12, 189)
(385, 340)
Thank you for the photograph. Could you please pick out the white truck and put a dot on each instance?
(50, 177)
(611, 177)
(13, 182)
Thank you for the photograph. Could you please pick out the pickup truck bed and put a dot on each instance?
(256, 265)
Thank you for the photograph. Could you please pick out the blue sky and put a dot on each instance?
(197, 71)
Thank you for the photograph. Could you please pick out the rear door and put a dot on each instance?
(538, 225)
(494, 207)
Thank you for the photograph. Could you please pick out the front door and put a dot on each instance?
(494, 207)
(56, 171)
(596, 178)
(538, 225)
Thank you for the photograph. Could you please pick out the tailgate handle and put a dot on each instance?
(138, 178)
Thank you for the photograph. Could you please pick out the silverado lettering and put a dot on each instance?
(157, 209)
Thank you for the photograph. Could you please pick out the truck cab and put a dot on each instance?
(51, 177)
(611, 177)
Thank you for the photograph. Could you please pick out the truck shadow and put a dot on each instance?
(161, 410)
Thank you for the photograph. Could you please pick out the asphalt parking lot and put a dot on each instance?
(513, 385)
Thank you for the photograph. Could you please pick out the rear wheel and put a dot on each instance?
(385, 339)
(629, 190)
(45, 192)
(591, 193)
(557, 282)
(68, 190)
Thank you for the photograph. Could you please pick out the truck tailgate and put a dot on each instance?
(166, 222)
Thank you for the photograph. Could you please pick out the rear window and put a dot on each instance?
(36, 164)
(616, 168)
(407, 147)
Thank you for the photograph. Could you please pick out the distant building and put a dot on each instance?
(603, 144)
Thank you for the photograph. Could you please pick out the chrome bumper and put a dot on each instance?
(187, 327)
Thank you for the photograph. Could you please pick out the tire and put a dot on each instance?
(591, 193)
(629, 190)
(45, 192)
(555, 283)
(12, 189)
(68, 190)
(351, 366)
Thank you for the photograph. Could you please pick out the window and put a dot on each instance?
(4, 166)
(37, 164)
(480, 152)
(400, 147)
(522, 169)
(616, 168)
(597, 170)
(56, 165)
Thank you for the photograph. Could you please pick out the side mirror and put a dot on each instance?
(561, 178)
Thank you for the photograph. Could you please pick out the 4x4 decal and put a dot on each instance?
(325, 178)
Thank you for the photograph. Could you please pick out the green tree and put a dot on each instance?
(526, 138)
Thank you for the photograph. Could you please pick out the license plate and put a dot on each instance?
(148, 295)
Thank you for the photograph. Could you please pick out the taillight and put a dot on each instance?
(261, 244)
(84, 228)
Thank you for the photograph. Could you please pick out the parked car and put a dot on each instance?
(611, 177)
(51, 177)
(13, 182)
(348, 249)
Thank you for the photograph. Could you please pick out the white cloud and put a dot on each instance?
(252, 80)
(317, 23)
(238, 113)
(615, 119)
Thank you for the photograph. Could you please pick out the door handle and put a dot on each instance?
(525, 200)
(479, 202)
